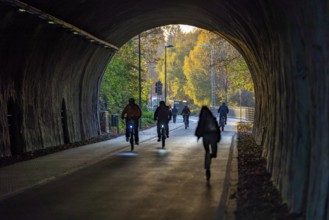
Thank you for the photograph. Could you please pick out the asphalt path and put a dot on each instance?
(149, 183)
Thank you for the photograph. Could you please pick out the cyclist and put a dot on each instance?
(132, 112)
(223, 111)
(186, 114)
(209, 130)
(162, 115)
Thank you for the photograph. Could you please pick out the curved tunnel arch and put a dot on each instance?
(284, 44)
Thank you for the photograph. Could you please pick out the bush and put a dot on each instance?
(147, 118)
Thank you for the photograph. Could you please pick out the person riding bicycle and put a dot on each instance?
(162, 115)
(132, 112)
(223, 111)
(208, 129)
(186, 114)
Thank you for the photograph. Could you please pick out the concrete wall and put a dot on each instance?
(40, 67)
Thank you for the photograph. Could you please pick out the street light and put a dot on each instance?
(139, 78)
(165, 66)
(213, 98)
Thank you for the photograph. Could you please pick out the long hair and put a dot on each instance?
(207, 123)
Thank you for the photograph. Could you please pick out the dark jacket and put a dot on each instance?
(207, 125)
(131, 111)
(186, 111)
(223, 110)
(174, 111)
(162, 114)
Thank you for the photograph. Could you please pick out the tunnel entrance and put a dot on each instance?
(64, 123)
(193, 66)
(14, 127)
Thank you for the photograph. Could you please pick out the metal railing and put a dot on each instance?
(243, 113)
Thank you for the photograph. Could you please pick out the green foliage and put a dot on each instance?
(121, 78)
(120, 81)
(147, 118)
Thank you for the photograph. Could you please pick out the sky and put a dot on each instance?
(186, 28)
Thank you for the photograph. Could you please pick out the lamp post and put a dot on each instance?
(213, 94)
(139, 78)
(165, 70)
(240, 103)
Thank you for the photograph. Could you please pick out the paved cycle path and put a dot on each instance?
(181, 165)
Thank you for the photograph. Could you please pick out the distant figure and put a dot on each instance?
(174, 112)
(186, 114)
(162, 115)
(132, 112)
(223, 111)
(209, 130)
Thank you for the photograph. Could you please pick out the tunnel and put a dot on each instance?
(53, 55)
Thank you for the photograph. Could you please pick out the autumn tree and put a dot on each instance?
(230, 70)
(176, 79)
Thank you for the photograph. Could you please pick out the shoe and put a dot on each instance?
(159, 139)
(127, 139)
(137, 143)
(167, 136)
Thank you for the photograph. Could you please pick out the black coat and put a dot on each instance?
(207, 125)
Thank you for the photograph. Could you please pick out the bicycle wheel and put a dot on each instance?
(132, 141)
(163, 137)
(222, 123)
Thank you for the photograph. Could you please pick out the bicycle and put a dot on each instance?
(131, 128)
(222, 122)
(163, 134)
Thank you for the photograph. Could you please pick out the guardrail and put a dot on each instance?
(245, 113)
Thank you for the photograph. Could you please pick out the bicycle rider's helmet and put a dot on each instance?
(131, 100)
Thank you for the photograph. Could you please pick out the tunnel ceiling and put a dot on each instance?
(117, 21)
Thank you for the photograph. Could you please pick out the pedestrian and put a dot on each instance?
(186, 114)
(174, 112)
(132, 112)
(208, 129)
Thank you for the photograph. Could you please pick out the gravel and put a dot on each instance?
(256, 196)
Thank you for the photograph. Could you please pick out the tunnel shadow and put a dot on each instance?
(15, 120)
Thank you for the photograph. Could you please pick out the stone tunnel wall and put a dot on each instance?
(286, 47)
(40, 67)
